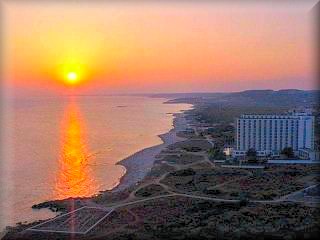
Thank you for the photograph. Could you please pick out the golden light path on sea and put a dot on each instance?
(74, 177)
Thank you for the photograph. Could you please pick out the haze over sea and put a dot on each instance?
(69, 146)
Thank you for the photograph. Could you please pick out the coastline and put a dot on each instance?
(137, 166)
(185, 184)
(140, 163)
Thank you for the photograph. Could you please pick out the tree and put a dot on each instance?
(243, 199)
(288, 151)
(215, 153)
(251, 153)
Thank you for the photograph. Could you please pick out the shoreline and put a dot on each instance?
(140, 163)
(137, 166)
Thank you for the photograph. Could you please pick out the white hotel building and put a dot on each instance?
(270, 134)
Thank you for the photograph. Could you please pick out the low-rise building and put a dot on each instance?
(309, 154)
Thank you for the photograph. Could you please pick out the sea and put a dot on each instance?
(61, 147)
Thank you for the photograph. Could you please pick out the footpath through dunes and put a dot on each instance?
(186, 194)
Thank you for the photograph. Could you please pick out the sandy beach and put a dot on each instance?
(140, 163)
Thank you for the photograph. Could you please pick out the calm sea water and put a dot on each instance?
(68, 147)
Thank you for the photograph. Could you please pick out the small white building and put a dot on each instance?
(228, 151)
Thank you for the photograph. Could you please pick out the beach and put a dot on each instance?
(140, 163)
(137, 167)
(102, 139)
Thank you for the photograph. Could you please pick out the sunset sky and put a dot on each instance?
(109, 47)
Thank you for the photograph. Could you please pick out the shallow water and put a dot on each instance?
(68, 146)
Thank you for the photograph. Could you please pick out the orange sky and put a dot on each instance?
(158, 47)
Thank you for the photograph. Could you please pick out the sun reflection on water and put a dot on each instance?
(74, 178)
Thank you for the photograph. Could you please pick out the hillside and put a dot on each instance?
(255, 98)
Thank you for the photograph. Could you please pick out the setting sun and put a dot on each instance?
(72, 77)
(71, 72)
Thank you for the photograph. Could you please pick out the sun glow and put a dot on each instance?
(72, 77)
(72, 72)
(106, 49)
